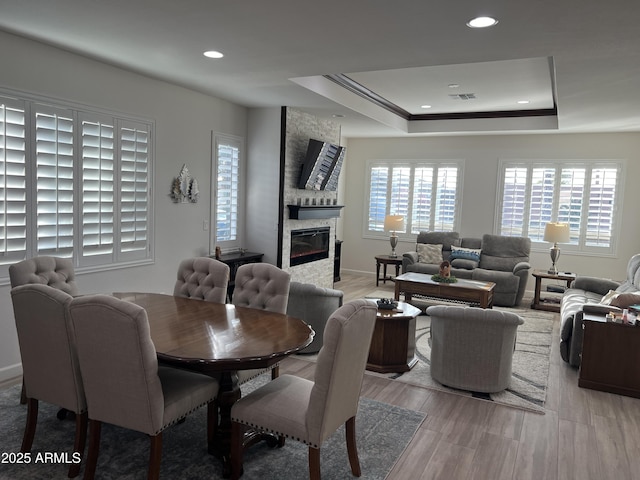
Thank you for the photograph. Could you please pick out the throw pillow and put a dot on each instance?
(429, 253)
(625, 300)
(465, 253)
(608, 298)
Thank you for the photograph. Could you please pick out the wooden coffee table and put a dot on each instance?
(464, 291)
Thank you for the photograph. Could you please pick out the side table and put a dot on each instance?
(610, 357)
(393, 345)
(542, 303)
(386, 260)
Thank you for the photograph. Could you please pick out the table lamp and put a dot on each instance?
(555, 232)
(393, 224)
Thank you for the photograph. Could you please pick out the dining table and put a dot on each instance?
(219, 340)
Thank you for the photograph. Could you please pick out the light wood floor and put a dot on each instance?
(584, 434)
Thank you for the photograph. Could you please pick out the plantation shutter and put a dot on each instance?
(378, 198)
(227, 192)
(13, 188)
(134, 189)
(445, 201)
(422, 199)
(514, 197)
(600, 212)
(98, 147)
(54, 181)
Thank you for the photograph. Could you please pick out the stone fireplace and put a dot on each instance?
(309, 245)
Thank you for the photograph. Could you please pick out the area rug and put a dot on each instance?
(383, 432)
(530, 370)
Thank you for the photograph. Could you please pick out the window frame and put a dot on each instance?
(413, 164)
(579, 248)
(238, 142)
(35, 106)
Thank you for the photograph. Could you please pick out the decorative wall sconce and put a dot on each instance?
(184, 188)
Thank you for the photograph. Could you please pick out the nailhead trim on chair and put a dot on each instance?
(275, 432)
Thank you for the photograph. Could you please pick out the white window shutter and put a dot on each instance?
(13, 187)
(227, 188)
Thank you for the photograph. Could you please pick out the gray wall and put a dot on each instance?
(481, 155)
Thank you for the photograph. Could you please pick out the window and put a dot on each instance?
(227, 182)
(425, 194)
(73, 183)
(582, 194)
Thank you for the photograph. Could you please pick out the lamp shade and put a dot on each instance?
(556, 232)
(394, 223)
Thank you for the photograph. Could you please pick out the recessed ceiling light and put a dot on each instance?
(425, 106)
(523, 102)
(337, 115)
(454, 85)
(213, 54)
(482, 22)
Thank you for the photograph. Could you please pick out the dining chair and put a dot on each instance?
(265, 287)
(55, 272)
(203, 278)
(310, 411)
(123, 383)
(49, 360)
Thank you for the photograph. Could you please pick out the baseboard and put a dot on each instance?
(10, 375)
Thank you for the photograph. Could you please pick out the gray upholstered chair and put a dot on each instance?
(203, 278)
(265, 287)
(49, 359)
(310, 411)
(472, 348)
(314, 305)
(123, 383)
(55, 272)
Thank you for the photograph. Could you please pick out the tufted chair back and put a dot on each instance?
(262, 286)
(52, 271)
(203, 278)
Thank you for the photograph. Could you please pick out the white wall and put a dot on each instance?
(184, 122)
(481, 155)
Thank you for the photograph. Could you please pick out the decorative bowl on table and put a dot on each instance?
(387, 304)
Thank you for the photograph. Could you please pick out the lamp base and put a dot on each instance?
(554, 252)
(393, 239)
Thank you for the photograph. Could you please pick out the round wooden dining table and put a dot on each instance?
(218, 340)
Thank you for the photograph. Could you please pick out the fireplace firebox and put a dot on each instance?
(309, 245)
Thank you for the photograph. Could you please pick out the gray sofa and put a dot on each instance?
(502, 260)
(591, 295)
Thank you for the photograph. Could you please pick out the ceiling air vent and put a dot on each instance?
(463, 96)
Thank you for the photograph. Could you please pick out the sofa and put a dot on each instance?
(492, 258)
(597, 296)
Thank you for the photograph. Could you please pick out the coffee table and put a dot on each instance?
(463, 291)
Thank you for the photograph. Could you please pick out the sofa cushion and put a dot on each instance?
(464, 263)
(608, 297)
(465, 253)
(429, 252)
(504, 253)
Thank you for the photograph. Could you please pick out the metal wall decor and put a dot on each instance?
(184, 188)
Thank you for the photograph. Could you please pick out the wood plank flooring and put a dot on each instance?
(584, 434)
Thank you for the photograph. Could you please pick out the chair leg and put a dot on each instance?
(314, 463)
(155, 457)
(212, 423)
(30, 427)
(352, 448)
(275, 372)
(79, 442)
(94, 446)
(237, 449)
(23, 394)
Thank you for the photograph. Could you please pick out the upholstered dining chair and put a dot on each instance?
(55, 272)
(123, 383)
(265, 287)
(49, 359)
(203, 278)
(472, 348)
(310, 411)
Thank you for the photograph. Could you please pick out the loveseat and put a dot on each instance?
(598, 296)
(492, 258)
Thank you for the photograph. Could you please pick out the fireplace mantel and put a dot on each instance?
(314, 212)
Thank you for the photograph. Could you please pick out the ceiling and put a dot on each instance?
(576, 61)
